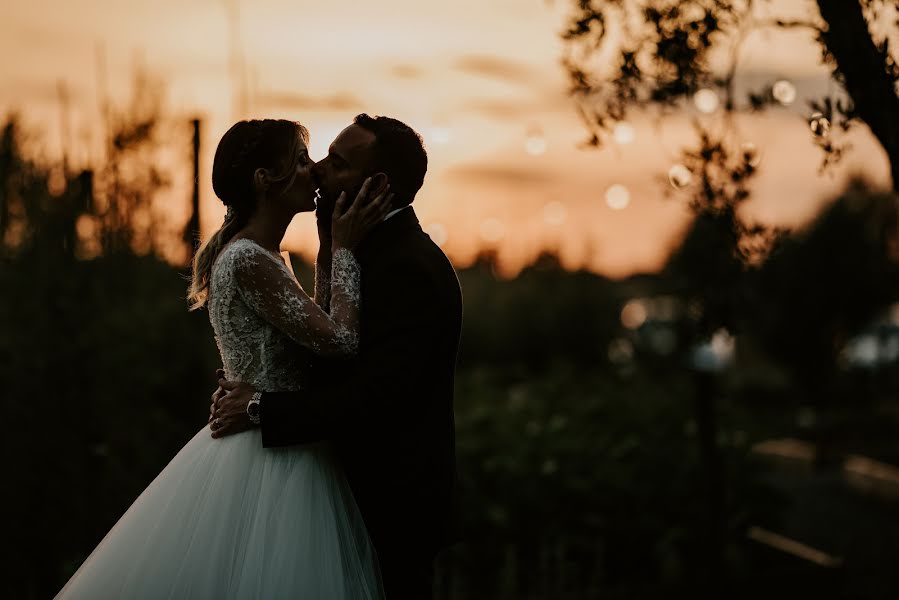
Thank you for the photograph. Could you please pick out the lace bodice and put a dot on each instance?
(260, 315)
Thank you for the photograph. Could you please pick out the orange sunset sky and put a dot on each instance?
(480, 79)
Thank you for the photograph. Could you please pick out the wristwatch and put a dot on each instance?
(253, 410)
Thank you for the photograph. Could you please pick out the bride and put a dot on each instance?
(227, 518)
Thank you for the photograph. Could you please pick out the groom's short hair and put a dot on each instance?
(399, 153)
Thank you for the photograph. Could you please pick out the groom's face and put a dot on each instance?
(349, 162)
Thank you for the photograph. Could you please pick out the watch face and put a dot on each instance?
(253, 409)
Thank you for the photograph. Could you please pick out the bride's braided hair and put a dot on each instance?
(249, 145)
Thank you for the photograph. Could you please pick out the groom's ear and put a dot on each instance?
(378, 184)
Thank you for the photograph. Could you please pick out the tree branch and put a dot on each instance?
(862, 65)
(784, 24)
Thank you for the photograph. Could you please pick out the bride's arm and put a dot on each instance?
(322, 294)
(268, 289)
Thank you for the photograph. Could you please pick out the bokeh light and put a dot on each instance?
(679, 176)
(618, 197)
(752, 156)
(634, 314)
(624, 133)
(784, 92)
(716, 354)
(535, 142)
(706, 100)
(819, 124)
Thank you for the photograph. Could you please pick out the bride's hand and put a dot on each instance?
(349, 228)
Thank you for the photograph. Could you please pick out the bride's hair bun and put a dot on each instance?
(232, 167)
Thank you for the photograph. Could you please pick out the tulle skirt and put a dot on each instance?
(228, 519)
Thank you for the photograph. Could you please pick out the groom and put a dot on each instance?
(389, 411)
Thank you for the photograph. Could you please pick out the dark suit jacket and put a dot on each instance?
(389, 411)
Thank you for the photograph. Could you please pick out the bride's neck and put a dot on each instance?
(267, 228)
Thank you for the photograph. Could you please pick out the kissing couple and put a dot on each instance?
(327, 469)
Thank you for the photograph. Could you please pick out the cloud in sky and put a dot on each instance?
(506, 176)
(341, 101)
(406, 71)
(518, 110)
(495, 67)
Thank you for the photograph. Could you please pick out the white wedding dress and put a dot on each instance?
(228, 518)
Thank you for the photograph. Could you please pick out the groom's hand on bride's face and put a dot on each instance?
(228, 413)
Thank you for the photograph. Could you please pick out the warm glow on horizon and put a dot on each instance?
(507, 172)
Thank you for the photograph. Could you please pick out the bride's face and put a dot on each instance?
(300, 195)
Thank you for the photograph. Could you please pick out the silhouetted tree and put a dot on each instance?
(131, 178)
(658, 53)
(90, 316)
(628, 55)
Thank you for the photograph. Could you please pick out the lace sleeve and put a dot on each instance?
(322, 293)
(269, 289)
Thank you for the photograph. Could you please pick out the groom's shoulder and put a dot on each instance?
(427, 253)
(417, 256)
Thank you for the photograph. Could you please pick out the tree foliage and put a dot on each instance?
(628, 54)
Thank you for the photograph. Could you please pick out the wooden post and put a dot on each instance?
(192, 229)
